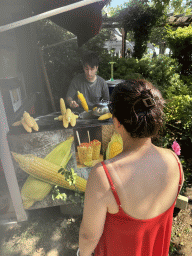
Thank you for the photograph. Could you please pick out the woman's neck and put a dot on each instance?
(131, 145)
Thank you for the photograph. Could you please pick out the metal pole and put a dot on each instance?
(62, 42)
(46, 14)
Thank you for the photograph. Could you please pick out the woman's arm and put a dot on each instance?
(94, 214)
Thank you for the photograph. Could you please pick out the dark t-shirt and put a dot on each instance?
(92, 91)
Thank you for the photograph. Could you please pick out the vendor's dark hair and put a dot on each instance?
(138, 106)
(91, 59)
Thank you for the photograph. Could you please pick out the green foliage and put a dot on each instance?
(163, 71)
(140, 19)
(179, 110)
(180, 42)
(70, 176)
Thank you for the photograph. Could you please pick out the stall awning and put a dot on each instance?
(84, 21)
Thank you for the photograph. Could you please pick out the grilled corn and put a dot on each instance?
(62, 106)
(83, 101)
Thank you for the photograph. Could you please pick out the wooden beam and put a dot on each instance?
(123, 42)
(47, 80)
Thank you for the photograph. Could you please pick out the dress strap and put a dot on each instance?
(180, 178)
(111, 184)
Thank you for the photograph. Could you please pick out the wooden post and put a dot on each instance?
(47, 80)
(9, 171)
(123, 42)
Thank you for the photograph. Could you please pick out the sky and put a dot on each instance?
(114, 3)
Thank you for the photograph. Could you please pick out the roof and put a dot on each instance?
(85, 21)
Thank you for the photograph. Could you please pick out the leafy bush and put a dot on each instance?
(180, 43)
(163, 72)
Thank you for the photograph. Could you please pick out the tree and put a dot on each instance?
(139, 18)
(158, 34)
(180, 42)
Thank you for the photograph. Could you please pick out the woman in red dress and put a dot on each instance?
(130, 199)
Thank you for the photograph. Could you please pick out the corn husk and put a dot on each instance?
(34, 189)
(107, 133)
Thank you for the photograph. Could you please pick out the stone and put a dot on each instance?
(182, 202)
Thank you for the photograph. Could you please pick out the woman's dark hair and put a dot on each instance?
(138, 106)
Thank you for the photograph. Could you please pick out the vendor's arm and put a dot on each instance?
(95, 209)
(71, 93)
(72, 103)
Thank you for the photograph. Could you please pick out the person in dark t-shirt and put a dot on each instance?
(93, 87)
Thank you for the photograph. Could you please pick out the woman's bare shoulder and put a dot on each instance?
(170, 158)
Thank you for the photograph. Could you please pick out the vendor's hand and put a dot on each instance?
(73, 104)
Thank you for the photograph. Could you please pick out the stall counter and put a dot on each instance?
(51, 133)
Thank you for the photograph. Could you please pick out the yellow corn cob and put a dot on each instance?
(17, 123)
(83, 101)
(34, 189)
(59, 118)
(94, 108)
(28, 119)
(62, 107)
(115, 146)
(65, 122)
(35, 126)
(88, 163)
(73, 120)
(46, 171)
(68, 115)
(105, 116)
(26, 127)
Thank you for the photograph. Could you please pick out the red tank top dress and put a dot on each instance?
(127, 236)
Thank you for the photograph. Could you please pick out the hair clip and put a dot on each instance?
(148, 102)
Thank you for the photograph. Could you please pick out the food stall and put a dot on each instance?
(33, 156)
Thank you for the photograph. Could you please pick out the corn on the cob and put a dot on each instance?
(65, 122)
(73, 120)
(94, 108)
(57, 155)
(35, 126)
(105, 116)
(62, 106)
(17, 123)
(68, 115)
(25, 125)
(28, 119)
(46, 171)
(115, 146)
(59, 118)
(83, 101)
(88, 163)
(36, 190)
